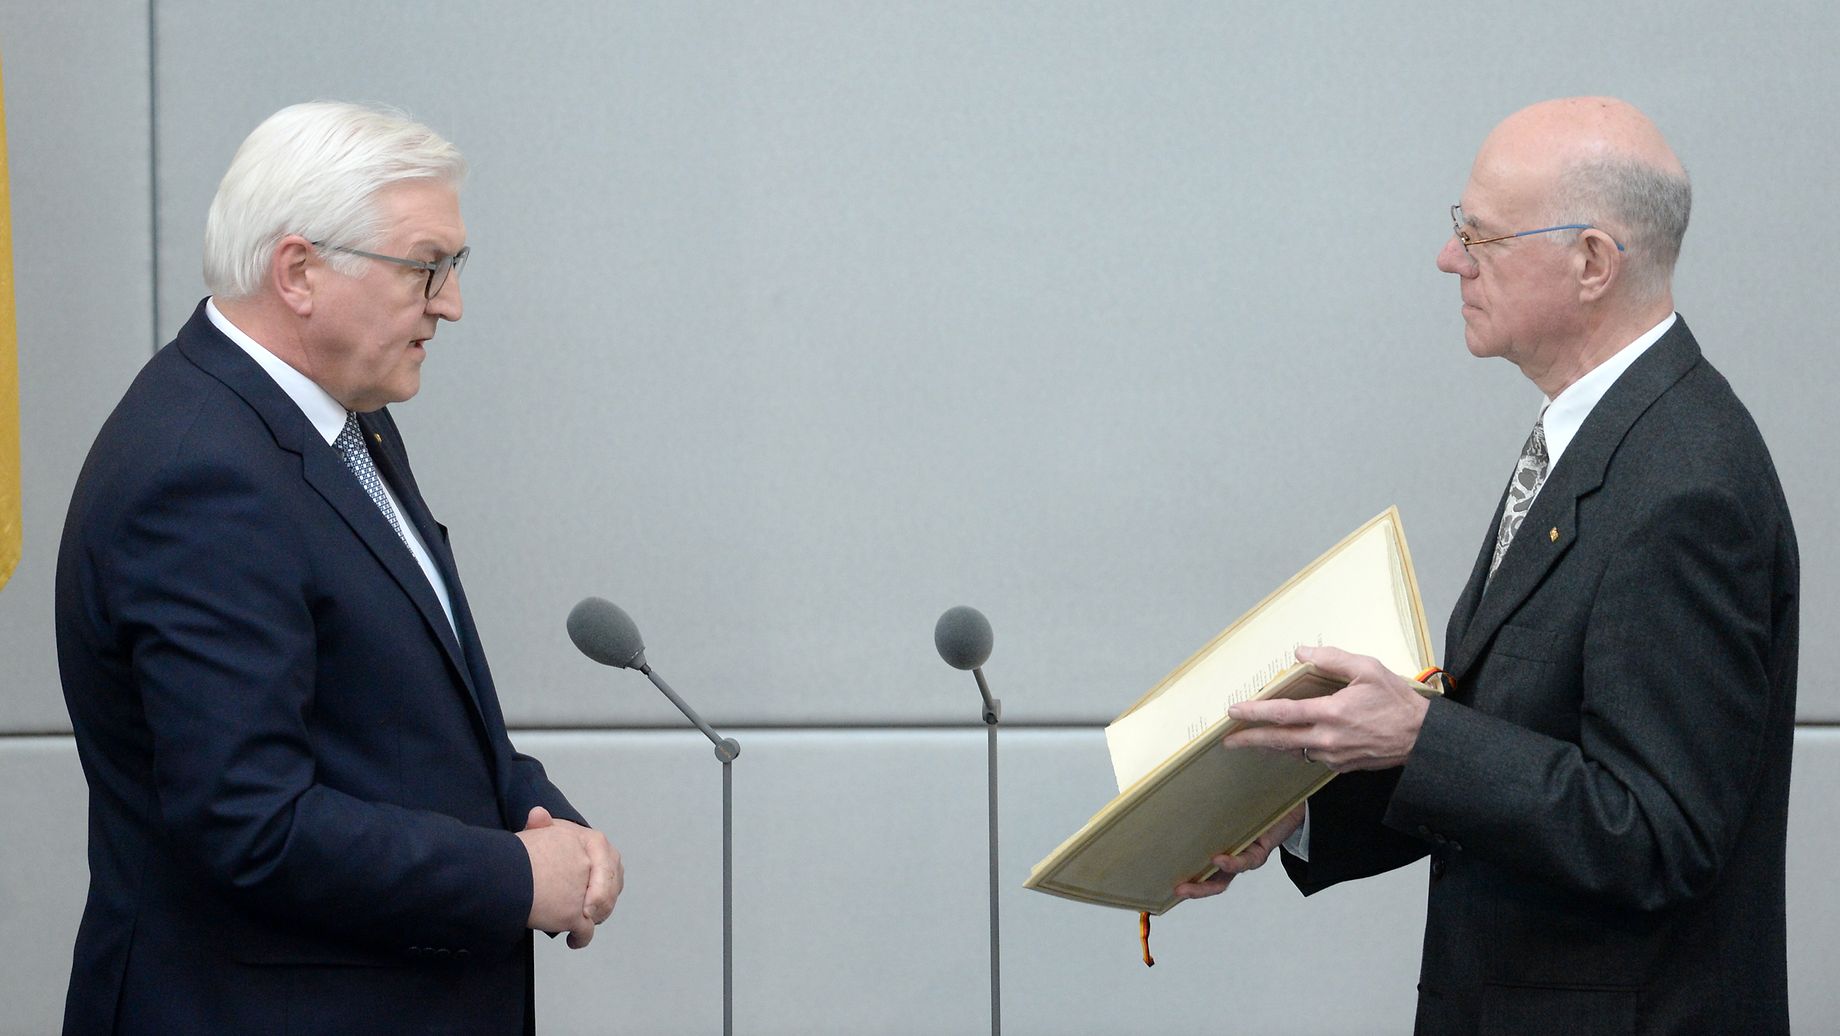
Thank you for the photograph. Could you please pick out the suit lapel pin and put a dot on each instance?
(378, 438)
(1554, 534)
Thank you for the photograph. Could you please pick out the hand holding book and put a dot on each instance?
(1249, 859)
(1371, 724)
(1189, 794)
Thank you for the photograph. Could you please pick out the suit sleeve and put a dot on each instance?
(1644, 808)
(531, 786)
(222, 642)
(1347, 838)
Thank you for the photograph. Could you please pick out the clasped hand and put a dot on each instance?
(576, 876)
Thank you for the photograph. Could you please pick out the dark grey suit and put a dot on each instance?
(1604, 797)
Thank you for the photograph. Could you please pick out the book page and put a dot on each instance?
(1352, 599)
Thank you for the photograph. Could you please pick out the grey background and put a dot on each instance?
(793, 324)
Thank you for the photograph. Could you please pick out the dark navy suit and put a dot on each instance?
(1605, 796)
(302, 795)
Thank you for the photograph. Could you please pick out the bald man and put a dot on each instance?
(1604, 795)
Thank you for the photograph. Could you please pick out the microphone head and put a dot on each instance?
(963, 637)
(606, 634)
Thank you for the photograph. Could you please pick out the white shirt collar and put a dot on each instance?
(1565, 413)
(326, 413)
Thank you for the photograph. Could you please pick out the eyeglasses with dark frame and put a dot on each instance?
(1463, 238)
(437, 269)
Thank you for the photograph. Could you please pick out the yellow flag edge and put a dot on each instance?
(11, 493)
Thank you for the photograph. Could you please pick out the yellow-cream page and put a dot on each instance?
(1347, 601)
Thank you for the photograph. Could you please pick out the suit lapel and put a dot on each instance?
(381, 437)
(325, 471)
(385, 445)
(392, 462)
(1551, 526)
(1545, 536)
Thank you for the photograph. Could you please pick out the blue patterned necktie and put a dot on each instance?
(350, 444)
(1529, 475)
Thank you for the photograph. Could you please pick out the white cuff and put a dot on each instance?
(1298, 844)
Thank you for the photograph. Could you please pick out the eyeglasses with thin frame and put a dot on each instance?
(1463, 238)
(437, 270)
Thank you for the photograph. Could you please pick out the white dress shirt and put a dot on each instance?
(1565, 413)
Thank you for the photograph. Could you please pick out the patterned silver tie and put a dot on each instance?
(350, 444)
(1529, 475)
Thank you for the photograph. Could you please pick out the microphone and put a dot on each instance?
(604, 632)
(963, 638)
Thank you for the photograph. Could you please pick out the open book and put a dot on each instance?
(1182, 797)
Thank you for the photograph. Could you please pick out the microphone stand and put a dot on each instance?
(993, 711)
(726, 751)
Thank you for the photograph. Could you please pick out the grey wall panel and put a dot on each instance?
(656, 967)
(43, 878)
(78, 159)
(860, 897)
(860, 900)
(1814, 907)
(858, 893)
(1073, 968)
(792, 325)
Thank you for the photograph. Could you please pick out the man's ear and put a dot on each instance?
(1600, 265)
(293, 271)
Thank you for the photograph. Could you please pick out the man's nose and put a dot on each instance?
(1454, 258)
(446, 303)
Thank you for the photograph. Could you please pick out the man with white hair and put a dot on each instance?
(1604, 794)
(305, 813)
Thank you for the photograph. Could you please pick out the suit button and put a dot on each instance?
(443, 953)
(1437, 867)
(1423, 831)
(460, 954)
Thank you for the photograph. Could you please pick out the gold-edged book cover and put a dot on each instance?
(1183, 797)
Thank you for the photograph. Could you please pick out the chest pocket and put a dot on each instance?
(1519, 681)
(1526, 644)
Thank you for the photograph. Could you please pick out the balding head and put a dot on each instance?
(1579, 129)
(1568, 231)
(1597, 160)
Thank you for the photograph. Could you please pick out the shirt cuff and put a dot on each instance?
(1298, 844)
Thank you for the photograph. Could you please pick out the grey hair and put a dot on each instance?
(1644, 207)
(314, 169)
